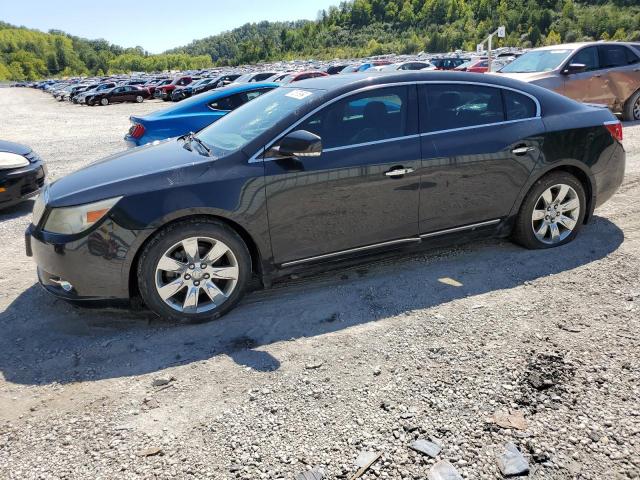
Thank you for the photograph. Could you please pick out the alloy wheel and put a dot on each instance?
(636, 109)
(196, 275)
(555, 214)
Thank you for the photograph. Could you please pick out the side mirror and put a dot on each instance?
(300, 143)
(574, 68)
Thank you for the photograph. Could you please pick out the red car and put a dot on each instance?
(297, 76)
(474, 66)
(164, 91)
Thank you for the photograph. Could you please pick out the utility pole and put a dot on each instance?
(501, 32)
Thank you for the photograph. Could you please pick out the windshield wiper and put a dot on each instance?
(191, 137)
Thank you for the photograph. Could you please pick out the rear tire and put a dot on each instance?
(552, 213)
(190, 270)
(104, 102)
(139, 99)
(632, 108)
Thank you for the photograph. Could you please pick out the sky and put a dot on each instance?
(155, 25)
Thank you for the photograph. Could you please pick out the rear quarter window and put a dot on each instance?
(518, 106)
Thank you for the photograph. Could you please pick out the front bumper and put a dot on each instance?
(93, 267)
(21, 184)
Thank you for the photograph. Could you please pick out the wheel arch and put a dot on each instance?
(252, 246)
(575, 168)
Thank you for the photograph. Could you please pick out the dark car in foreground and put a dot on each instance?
(22, 173)
(124, 93)
(322, 171)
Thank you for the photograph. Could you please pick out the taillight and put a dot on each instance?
(615, 129)
(137, 130)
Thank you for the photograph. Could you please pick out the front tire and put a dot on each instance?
(139, 99)
(552, 213)
(194, 271)
(632, 108)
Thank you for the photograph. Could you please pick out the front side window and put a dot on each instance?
(362, 118)
(459, 106)
(588, 57)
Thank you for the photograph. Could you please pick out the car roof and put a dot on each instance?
(363, 79)
(576, 45)
(231, 89)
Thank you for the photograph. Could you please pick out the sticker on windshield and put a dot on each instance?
(298, 94)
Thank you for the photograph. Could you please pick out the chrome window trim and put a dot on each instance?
(390, 243)
(255, 157)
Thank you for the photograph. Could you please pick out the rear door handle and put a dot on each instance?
(522, 150)
(398, 172)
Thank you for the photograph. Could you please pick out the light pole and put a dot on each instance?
(501, 32)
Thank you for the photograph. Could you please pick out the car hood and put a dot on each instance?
(14, 147)
(140, 169)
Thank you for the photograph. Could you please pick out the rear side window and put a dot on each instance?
(612, 56)
(234, 101)
(227, 103)
(367, 117)
(458, 106)
(518, 106)
(631, 57)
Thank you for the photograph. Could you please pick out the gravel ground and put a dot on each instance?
(313, 374)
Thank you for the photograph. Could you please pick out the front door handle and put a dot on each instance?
(398, 172)
(522, 150)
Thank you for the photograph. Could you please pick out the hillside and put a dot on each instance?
(30, 54)
(354, 29)
(369, 27)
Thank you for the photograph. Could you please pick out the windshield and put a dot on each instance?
(235, 130)
(537, 61)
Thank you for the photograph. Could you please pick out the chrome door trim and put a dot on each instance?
(350, 250)
(461, 129)
(460, 229)
(390, 243)
(255, 158)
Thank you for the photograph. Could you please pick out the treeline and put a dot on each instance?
(369, 27)
(356, 28)
(30, 55)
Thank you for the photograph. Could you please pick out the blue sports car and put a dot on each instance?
(193, 114)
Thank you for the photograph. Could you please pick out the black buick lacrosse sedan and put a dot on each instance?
(319, 172)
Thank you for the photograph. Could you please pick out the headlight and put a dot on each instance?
(12, 160)
(39, 205)
(72, 220)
